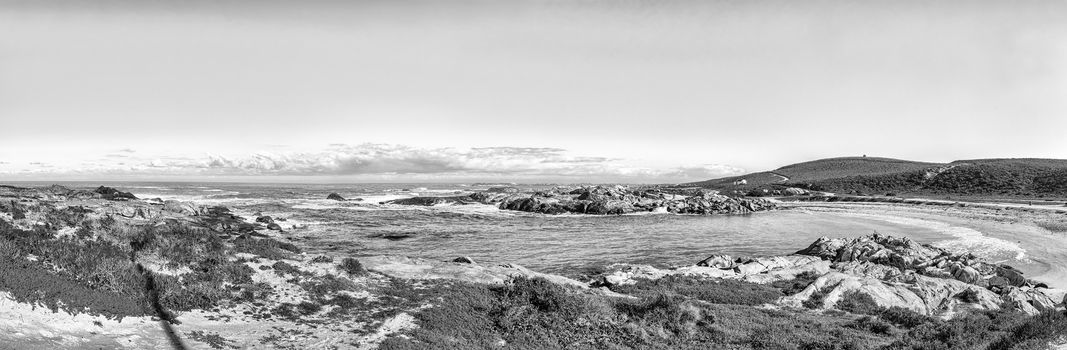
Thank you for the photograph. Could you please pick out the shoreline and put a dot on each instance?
(1047, 250)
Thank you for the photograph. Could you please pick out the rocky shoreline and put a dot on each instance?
(74, 266)
(602, 200)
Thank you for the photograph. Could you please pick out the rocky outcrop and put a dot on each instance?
(336, 197)
(113, 194)
(907, 255)
(473, 198)
(601, 200)
(893, 272)
(899, 271)
(756, 270)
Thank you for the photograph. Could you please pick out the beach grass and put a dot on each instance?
(1056, 226)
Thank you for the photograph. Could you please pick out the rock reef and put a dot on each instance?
(602, 200)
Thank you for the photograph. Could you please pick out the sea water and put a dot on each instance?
(550, 243)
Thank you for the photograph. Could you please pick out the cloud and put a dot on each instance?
(390, 161)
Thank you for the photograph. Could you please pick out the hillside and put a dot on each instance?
(1019, 177)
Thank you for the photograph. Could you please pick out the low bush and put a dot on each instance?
(873, 325)
(185, 294)
(858, 303)
(903, 317)
(717, 291)
(322, 288)
(282, 268)
(264, 247)
(352, 267)
(797, 284)
(214, 340)
(535, 314)
(1056, 226)
(815, 301)
(30, 282)
(322, 259)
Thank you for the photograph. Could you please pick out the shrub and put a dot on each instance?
(1056, 226)
(858, 303)
(237, 273)
(903, 317)
(352, 267)
(872, 324)
(214, 340)
(29, 282)
(308, 308)
(264, 247)
(184, 294)
(321, 287)
(17, 212)
(282, 268)
(322, 259)
(1034, 333)
(815, 301)
(717, 291)
(797, 284)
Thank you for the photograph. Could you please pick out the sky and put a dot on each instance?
(523, 91)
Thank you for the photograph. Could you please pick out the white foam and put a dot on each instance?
(967, 240)
(385, 198)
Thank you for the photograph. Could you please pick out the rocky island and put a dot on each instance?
(603, 200)
(99, 268)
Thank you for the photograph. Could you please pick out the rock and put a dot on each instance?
(718, 261)
(464, 260)
(175, 206)
(274, 226)
(898, 252)
(265, 220)
(336, 197)
(502, 190)
(1028, 300)
(113, 194)
(964, 273)
(1013, 276)
(602, 200)
(424, 201)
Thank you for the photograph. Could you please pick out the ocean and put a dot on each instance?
(562, 244)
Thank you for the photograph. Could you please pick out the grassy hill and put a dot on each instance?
(1017, 177)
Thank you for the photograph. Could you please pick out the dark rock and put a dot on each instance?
(113, 194)
(274, 226)
(265, 220)
(464, 260)
(724, 262)
(336, 197)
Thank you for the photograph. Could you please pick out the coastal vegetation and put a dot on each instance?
(978, 178)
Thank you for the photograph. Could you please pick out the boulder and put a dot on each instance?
(718, 261)
(180, 207)
(274, 226)
(336, 197)
(265, 220)
(463, 260)
(113, 194)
